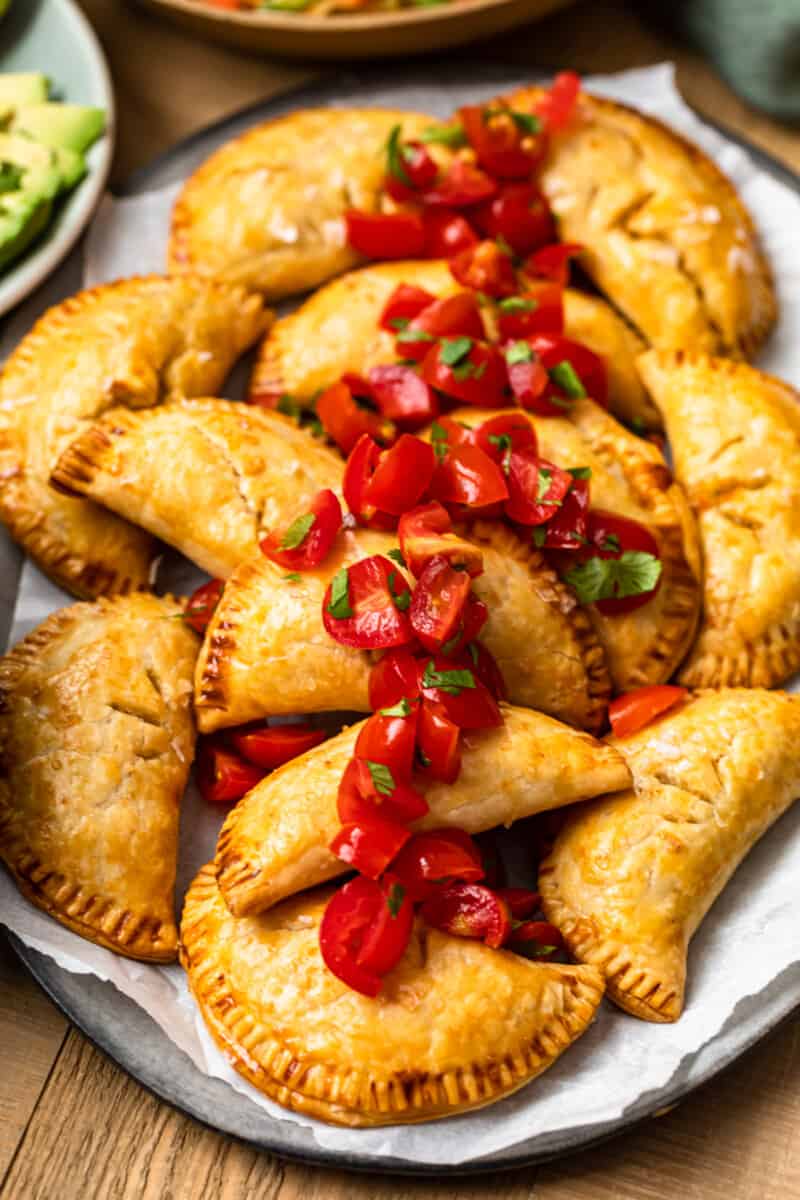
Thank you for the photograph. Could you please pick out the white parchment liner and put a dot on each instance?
(752, 933)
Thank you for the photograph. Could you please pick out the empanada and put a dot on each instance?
(235, 470)
(266, 651)
(135, 343)
(630, 478)
(735, 436)
(456, 1025)
(267, 209)
(275, 841)
(96, 741)
(336, 330)
(632, 876)
(664, 232)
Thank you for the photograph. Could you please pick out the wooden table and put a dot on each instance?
(71, 1124)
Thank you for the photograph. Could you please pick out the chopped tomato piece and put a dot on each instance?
(588, 367)
(567, 529)
(552, 262)
(369, 846)
(519, 214)
(473, 619)
(631, 711)
(469, 910)
(389, 738)
(467, 476)
(401, 475)
(556, 108)
(485, 268)
(488, 671)
(365, 791)
(306, 542)
(385, 235)
(498, 436)
(536, 939)
(448, 433)
(358, 472)
(386, 940)
(454, 686)
(355, 920)
(202, 604)
(521, 901)
(428, 859)
(403, 396)
(411, 169)
(222, 776)
(540, 309)
(270, 746)
(527, 376)
(360, 387)
(467, 370)
(438, 603)
(405, 302)
(455, 316)
(503, 148)
(447, 233)
(393, 678)
(426, 532)
(345, 421)
(461, 186)
(536, 488)
(360, 607)
(438, 743)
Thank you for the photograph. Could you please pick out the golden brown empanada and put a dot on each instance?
(456, 1025)
(96, 741)
(266, 651)
(135, 343)
(664, 232)
(267, 209)
(630, 478)
(735, 436)
(632, 876)
(336, 330)
(235, 471)
(275, 842)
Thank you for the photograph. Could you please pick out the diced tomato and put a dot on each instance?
(358, 472)
(438, 603)
(389, 934)
(270, 746)
(369, 846)
(519, 214)
(355, 920)
(536, 488)
(411, 173)
(610, 536)
(461, 186)
(360, 607)
(469, 910)
(438, 743)
(631, 711)
(557, 107)
(222, 776)
(455, 316)
(359, 386)
(403, 396)
(303, 546)
(447, 232)
(401, 475)
(467, 370)
(473, 619)
(202, 604)
(487, 670)
(527, 376)
(393, 678)
(345, 421)
(390, 740)
(501, 147)
(588, 366)
(405, 302)
(453, 685)
(552, 262)
(498, 436)
(385, 235)
(540, 309)
(360, 798)
(428, 859)
(485, 268)
(468, 477)
(426, 532)
(536, 939)
(567, 529)
(521, 901)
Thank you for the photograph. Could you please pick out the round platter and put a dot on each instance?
(116, 1024)
(418, 30)
(54, 37)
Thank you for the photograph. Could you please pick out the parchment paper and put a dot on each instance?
(752, 934)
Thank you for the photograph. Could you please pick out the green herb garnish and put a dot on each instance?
(401, 709)
(339, 603)
(382, 778)
(298, 531)
(565, 376)
(452, 682)
(633, 574)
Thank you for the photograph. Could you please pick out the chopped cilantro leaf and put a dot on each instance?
(439, 440)
(339, 603)
(395, 898)
(450, 645)
(397, 555)
(382, 778)
(447, 135)
(633, 574)
(399, 322)
(402, 599)
(452, 682)
(473, 652)
(565, 376)
(525, 122)
(580, 472)
(518, 304)
(401, 709)
(298, 531)
(518, 352)
(543, 484)
(538, 536)
(288, 406)
(454, 350)
(422, 757)
(291, 577)
(503, 245)
(505, 445)
(394, 156)
(415, 335)
(611, 543)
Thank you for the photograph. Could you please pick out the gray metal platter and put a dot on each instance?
(116, 1024)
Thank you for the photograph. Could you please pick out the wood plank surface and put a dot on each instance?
(72, 1125)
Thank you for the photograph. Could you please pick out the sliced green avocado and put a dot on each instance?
(24, 87)
(23, 216)
(61, 126)
(72, 166)
(28, 167)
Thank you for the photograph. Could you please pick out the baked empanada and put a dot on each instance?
(266, 651)
(267, 209)
(735, 436)
(664, 232)
(135, 342)
(630, 478)
(632, 876)
(336, 330)
(96, 741)
(235, 470)
(275, 841)
(456, 1025)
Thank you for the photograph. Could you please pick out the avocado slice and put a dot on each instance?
(60, 126)
(72, 166)
(28, 167)
(23, 216)
(23, 87)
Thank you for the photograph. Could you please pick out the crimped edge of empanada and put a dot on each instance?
(316, 1089)
(99, 919)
